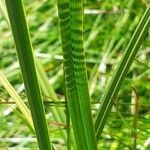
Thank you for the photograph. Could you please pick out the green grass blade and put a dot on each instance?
(19, 102)
(71, 25)
(45, 86)
(24, 49)
(45, 80)
(3, 10)
(49, 91)
(123, 68)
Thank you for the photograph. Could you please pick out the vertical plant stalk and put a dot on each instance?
(68, 128)
(134, 112)
(24, 50)
(120, 74)
(71, 26)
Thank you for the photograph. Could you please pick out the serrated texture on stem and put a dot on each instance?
(71, 26)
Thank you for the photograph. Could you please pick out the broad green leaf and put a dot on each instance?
(77, 95)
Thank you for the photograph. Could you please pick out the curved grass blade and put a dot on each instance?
(71, 26)
(124, 66)
(19, 102)
(24, 49)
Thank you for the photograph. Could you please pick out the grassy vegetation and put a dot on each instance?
(86, 74)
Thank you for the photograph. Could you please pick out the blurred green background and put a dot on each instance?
(108, 26)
